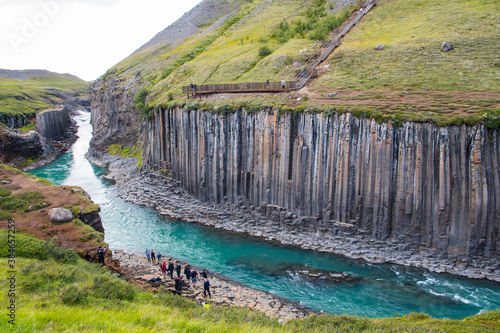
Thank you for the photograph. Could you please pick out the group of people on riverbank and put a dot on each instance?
(152, 257)
(190, 273)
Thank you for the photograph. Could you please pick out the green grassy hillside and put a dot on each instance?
(55, 291)
(31, 95)
(413, 31)
(229, 53)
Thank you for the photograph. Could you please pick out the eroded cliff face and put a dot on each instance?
(418, 183)
(54, 124)
(113, 114)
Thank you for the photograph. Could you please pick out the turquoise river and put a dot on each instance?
(382, 290)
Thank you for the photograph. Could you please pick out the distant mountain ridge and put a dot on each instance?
(26, 74)
(192, 22)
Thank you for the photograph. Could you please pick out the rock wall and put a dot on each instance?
(15, 121)
(53, 124)
(114, 118)
(418, 183)
(15, 145)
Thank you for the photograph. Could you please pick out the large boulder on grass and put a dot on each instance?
(445, 47)
(60, 215)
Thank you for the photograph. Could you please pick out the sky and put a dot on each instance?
(81, 37)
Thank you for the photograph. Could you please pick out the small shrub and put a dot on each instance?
(109, 287)
(24, 202)
(61, 254)
(74, 294)
(264, 51)
(140, 99)
(4, 192)
(4, 215)
(166, 73)
(26, 246)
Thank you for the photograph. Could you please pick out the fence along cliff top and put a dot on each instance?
(301, 78)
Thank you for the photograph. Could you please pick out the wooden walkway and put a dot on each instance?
(302, 76)
(207, 89)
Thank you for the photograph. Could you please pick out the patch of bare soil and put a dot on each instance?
(443, 102)
(38, 224)
(447, 102)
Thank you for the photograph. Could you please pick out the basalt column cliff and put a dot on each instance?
(418, 183)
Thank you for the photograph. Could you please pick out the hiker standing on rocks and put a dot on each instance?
(206, 288)
(100, 255)
(164, 269)
(153, 257)
(178, 284)
(203, 274)
(148, 255)
(170, 269)
(194, 277)
(178, 269)
(158, 256)
(187, 271)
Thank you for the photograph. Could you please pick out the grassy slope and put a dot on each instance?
(19, 97)
(224, 55)
(412, 31)
(57, 292)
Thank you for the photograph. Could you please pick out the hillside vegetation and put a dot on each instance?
(229, 53)
(28, 94)
(412, 31)
(264, 38)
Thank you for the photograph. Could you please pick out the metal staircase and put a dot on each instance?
(309, 69)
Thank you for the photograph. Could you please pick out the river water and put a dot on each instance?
(381, 291)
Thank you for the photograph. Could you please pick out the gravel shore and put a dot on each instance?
(224, 291)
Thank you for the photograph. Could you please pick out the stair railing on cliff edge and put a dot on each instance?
(309, 71)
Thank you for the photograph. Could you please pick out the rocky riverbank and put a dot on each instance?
(169, 199)
(224, 291)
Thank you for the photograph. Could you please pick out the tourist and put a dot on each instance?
(206, 288)
(164, 269)
(148, 255)
(158, 256)
(267, 82)
(194, 277)
(187, 271)
(170, 269)
(100, 254)
(283, 84)
(178, 269)
(203, 274)
(178, 284)
(153, 257)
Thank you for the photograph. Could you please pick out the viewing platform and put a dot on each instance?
(253, 87)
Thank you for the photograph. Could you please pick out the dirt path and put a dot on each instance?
(449, 102)
(440, 102)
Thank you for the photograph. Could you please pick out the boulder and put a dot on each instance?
(445, 47)
(379, 47)
(332, 94)
(297, 64)
(60, 215)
